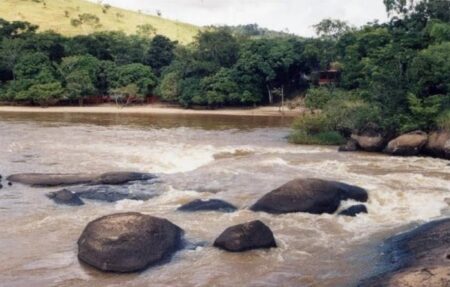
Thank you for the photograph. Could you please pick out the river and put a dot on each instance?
(237, 159)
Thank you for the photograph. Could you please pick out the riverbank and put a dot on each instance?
(157, 110)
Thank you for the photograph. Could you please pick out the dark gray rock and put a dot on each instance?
(128, 242)
(56, 179)
(309, 195)
(208, 205)
(66, 197)
(354, 210)
(417, 258)
(117, 178)
(10, 183)
(350, 146)
(1, 186)
(110, 193)
(247, 236)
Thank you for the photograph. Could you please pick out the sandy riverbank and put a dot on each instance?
(155, 109)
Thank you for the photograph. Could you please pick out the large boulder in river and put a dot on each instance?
(128, 242)
(438, 144)
(309, 195)
(207, 205)
(407, 144)
(419, 258)
(370, 139)
(60, 179)
(247, 236)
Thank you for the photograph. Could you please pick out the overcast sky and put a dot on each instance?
(295, 15)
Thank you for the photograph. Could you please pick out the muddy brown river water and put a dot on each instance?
(237, 159)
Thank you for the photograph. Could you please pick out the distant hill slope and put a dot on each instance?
(58, 15)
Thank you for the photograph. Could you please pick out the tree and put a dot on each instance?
(46, 94)
(169, 89)
(80, 76)
(331, 28)
(135, 74)
(146, 30)
(78, 86)
(161, 53)
(16, 29)
(218, 47)
(430, 71)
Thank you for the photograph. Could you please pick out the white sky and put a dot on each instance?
(296, 15)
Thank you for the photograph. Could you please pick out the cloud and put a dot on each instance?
(295, 15)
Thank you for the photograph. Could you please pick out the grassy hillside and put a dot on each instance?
(58, 15)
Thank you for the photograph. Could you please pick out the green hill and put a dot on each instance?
(63, 16)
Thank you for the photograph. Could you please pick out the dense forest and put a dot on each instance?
(393, 75)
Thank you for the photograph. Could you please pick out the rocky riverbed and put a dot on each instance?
(208, 169)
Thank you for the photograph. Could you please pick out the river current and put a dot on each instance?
(237, 159)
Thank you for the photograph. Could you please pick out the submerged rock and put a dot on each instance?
(247, 236)
(1, 186)
(407, 144)
(57, 179)
(350, 146)
(66, 197)
(419, 258)
(128, 242)
(354, 210)
(110, 193)
(438, 144)
(208, 205)
(309, 195)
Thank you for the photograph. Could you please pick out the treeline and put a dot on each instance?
(219, 68)
(48, 68)
(395, 76)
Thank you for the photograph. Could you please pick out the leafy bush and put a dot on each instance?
(346, 114)
(315, 129)
(312, 123)
(443, 120)
(317, 98)
(321, 138)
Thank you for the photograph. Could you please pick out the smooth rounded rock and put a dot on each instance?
(438, 144)
(309, 195)
(407, 144)
(50, 179)
(370, 139)
(354, 210)
(61, 179)
(207, 205)
(128, 242)
(247, 236)
(66, 197)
